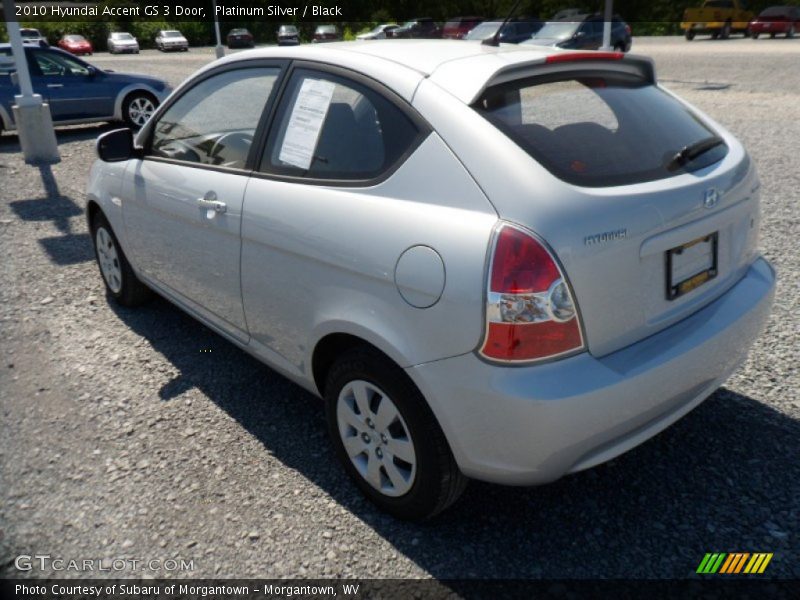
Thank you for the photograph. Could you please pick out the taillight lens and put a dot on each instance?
(530, 312)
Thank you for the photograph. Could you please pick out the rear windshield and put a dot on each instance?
(600, 130)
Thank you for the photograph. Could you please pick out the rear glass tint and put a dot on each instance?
(599, 130)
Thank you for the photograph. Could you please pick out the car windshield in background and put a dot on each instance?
(557, 31)
(172, 34)
(326, 29)
(29, 33)
(484, 30)
(603, 130)
(76, 38)
(238, 31)
(288, 29)
(775, 11)
(121, 36)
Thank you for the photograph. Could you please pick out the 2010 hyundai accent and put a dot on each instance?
(504, 263)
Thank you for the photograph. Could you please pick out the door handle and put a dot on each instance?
(210, 202)
(55, 85)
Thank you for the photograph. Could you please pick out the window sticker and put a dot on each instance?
(305, 123)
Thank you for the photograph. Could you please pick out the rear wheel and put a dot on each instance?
(388, 439)
(121, 282)
(790, 33)
(726, 31)
(772, 36)
(689, 35)
(137, 108)
(755, 36)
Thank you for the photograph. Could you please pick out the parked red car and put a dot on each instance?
(75, 44)
(775, 20)
(458, 27)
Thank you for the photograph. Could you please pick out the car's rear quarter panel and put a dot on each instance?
(318, 260)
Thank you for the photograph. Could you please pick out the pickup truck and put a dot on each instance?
(720, 18)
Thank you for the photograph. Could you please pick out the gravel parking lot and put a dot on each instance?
(141, 434)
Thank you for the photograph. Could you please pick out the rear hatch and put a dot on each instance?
(650, 207)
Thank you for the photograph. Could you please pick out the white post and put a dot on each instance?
(31, 115)
(218, 50)
(609, 16)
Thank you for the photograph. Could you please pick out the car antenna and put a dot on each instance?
(495, 39)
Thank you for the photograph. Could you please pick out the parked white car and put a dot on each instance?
(502, 263)
(378, 32)
(171, 39)
(122, 41)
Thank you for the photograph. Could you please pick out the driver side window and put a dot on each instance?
(52, 64)
(214, 123)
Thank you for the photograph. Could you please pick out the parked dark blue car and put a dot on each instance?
(79, 92)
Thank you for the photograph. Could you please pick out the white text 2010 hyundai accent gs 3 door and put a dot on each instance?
(500, 263)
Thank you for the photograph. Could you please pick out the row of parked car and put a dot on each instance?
(117, 42)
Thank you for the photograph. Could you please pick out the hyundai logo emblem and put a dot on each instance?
(711, 198)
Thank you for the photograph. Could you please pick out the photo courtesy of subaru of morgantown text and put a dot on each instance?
(530, 247)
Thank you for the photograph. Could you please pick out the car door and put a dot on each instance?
(75, 90)
(305, 228)
(183, 200)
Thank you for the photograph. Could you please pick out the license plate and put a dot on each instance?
(699, 25)
(691, 265)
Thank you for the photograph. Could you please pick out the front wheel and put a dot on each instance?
(118, 276)
(689, 35)
(388, 439)
(755, 36)
(138, 108)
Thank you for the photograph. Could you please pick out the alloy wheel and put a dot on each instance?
(140, 110)
(109, 260)
(376, 438)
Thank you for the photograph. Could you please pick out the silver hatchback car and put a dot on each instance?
(506, 264)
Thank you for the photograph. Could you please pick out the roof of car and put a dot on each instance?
(463, 68)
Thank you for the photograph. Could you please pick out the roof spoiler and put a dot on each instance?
(563, 62)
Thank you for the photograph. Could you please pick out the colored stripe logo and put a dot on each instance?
(734, 563)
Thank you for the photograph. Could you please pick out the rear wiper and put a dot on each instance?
(688, 153)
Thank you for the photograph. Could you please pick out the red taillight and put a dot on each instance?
(577, 56)
(530, 313)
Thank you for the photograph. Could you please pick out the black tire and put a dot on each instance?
(689, 35)
(772, 36)
(132, 292)
(790, 33)
(715, 35)
(136, 99)
(438, 482)
(755, 36)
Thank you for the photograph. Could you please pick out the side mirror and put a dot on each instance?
(116, 146)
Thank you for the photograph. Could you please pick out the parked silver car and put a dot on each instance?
(171, 39)
(500, 263)
(122, 41)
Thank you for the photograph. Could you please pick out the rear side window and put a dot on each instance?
(600, 130)
(330, 127)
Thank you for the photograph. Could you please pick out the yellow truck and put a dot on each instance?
(720, 18)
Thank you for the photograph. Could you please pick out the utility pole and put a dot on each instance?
(31, 114)
(218, 50)
(607, 19)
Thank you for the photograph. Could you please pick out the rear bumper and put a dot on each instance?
(530, 425)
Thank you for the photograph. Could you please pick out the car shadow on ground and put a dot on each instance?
(725, 478)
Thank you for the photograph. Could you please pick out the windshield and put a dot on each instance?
(326, 29)
(288, 29)
(599, 130)
(238, 31)
(122, 36)
(775, 11)
(557, 31)
(172, 34)
(30, 33)
(484, 30)
(76, 38)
